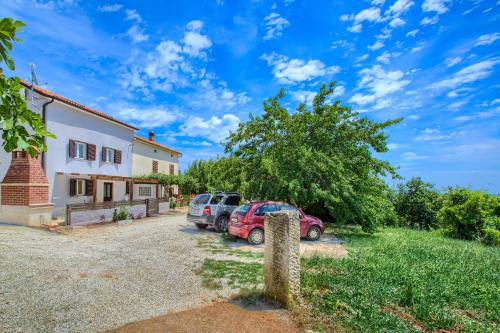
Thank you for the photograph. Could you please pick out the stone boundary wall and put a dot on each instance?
(282, 256)
(83, 217)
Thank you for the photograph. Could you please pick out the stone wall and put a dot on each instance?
(282, 256)
(84, 217)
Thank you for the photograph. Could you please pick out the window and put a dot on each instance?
(155, 166)
(201, 199)
(242, 210)
(109, 155)
(80, 187)
(172, 169)
(233, 200)
(144, 191)
(80, 150)
(262, 210)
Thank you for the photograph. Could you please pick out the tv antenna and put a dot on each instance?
(34, 77)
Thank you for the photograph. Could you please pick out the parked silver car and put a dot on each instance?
(213, 209)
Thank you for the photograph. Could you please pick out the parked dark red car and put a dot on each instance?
(247, 221)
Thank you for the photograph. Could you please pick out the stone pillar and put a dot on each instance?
(25, 192)
(282, 256)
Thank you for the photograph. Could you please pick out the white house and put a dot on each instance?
(91, 159)
(150, 156)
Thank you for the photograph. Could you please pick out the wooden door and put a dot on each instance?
(108, 192)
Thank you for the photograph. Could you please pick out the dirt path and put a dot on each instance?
(214, 318)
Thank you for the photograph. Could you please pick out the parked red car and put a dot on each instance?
(247, 221)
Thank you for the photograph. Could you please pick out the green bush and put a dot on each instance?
(491, 236)
(416, 203)
(120, 214)
(173, 204)
(465, 213)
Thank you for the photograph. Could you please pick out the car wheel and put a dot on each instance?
(314, 233)
(221, 224)
(201, 226)
(256, 236)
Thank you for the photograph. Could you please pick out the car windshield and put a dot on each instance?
(242, 210)
(201, 199)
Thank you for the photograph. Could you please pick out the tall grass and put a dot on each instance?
(402, 280)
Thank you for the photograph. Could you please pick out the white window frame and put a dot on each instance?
(80, 147)
(145, 188)
(80, 187)
(109, 155)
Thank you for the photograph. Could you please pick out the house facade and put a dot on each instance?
(149, 156)
(92, 158)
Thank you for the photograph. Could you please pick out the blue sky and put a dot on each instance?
(192, 70)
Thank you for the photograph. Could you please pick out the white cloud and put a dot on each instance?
(438, 6)
(137, 34)
(453, 61)
(362, 58)
(383, 103)
(371, 14)
(133, 15)
(291, 71)
(399, 7)
(468, 74)
(215, 96)
(147, 117)
(397, 22)
(338, 91)
(382, 82)
(412, 33)
(361, 99)
(303, 96)
(214, 129)
(385, 57)
(194, 42)
(375, 46)
(429, 20)
(377, 2)
(457, 105)
(487, 39)
(110, 8)
(391, 145)
(411, 156)
(432, 134)
(417, 48)
(355, 28)
(479, 115)
(275, 24)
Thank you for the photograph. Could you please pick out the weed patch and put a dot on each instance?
(404, 280)
(236, 274)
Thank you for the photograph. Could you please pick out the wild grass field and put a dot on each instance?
(402, 280)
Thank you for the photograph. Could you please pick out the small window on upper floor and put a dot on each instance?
(80, 150)
(109, 155)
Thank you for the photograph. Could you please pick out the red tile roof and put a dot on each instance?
(68, 101)
(156, 144)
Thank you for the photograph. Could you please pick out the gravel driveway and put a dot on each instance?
(99, 278)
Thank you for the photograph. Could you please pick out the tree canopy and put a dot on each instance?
(21, 128)
(320, 158)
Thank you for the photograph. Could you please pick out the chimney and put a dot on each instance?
(151, 136)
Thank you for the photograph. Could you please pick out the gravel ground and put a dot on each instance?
(94, 279)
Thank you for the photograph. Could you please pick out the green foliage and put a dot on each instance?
(401, 279)
(491, 236)
(21, 128)
(172, 204)
(416, 203)
(120, 214)
(321, 160)
(464, 213)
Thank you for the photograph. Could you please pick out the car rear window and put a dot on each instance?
(201, 199)
(242, 210)
(233, 200)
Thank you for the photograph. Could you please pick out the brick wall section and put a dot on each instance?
(25, 169)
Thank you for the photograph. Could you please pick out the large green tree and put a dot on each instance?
(21, 128)
(416, 203)
(320, 158)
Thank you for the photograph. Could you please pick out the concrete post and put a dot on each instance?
(282, 256)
